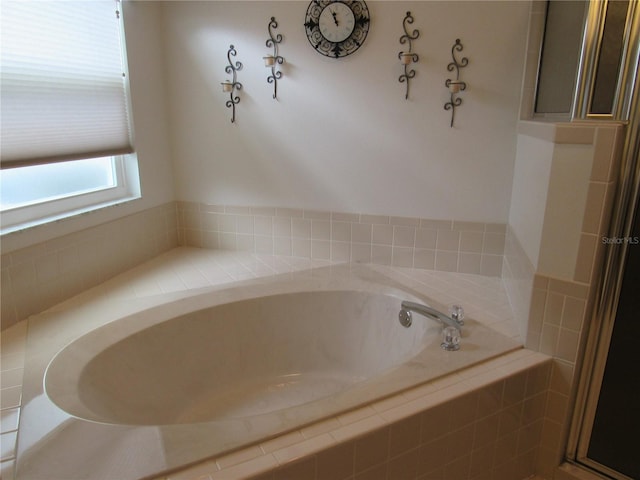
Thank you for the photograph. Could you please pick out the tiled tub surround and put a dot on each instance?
(553, 308)
(326, 326)
(443, 245)
(182, 269)
(37, 277)
(484, 422)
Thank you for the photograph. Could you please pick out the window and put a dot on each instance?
(42, 193)
(65, 136)
(26, 186)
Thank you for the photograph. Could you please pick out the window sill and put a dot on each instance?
(40, 222)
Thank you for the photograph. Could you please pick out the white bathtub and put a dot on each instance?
(226, 367)
(234, 360)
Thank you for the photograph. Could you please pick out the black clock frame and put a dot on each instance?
(351, 43)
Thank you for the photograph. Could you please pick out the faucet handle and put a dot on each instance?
(404, 316)
(457, 313)
(450, 339)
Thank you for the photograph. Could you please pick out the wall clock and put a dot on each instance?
(337, 28)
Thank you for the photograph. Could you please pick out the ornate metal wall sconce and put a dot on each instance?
(457, 85)
(273, 60)
(233, 85)
(407, 57)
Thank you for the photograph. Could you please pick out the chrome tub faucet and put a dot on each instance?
(452, 324)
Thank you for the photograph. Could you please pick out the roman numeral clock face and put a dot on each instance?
(337, 28)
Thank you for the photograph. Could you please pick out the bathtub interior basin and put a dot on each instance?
(234, 360)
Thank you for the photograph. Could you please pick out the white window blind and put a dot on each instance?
(63, 91)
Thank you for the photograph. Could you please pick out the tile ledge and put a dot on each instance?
(581, 132)
(537, 129)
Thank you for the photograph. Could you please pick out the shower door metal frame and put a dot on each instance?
(604, 312)
(589, 55)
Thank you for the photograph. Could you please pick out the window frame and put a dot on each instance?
(127, 188)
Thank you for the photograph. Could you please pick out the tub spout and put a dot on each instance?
(430, 312)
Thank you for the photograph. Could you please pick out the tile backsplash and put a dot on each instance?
(444, 245)
(39, 276)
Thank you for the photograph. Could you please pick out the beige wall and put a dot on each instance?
(341, 136)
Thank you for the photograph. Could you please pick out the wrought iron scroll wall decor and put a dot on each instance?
(233, 85)
(457, 85)
(273, 60)
(407, 57)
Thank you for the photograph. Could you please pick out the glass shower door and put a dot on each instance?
(614, 446)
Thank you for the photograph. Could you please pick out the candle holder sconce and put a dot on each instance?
(407, 57)
(233, 85)
(273, 60)
(457, 85)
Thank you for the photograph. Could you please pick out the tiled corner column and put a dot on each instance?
(38, 277)
(560, 309)
(444, 245)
